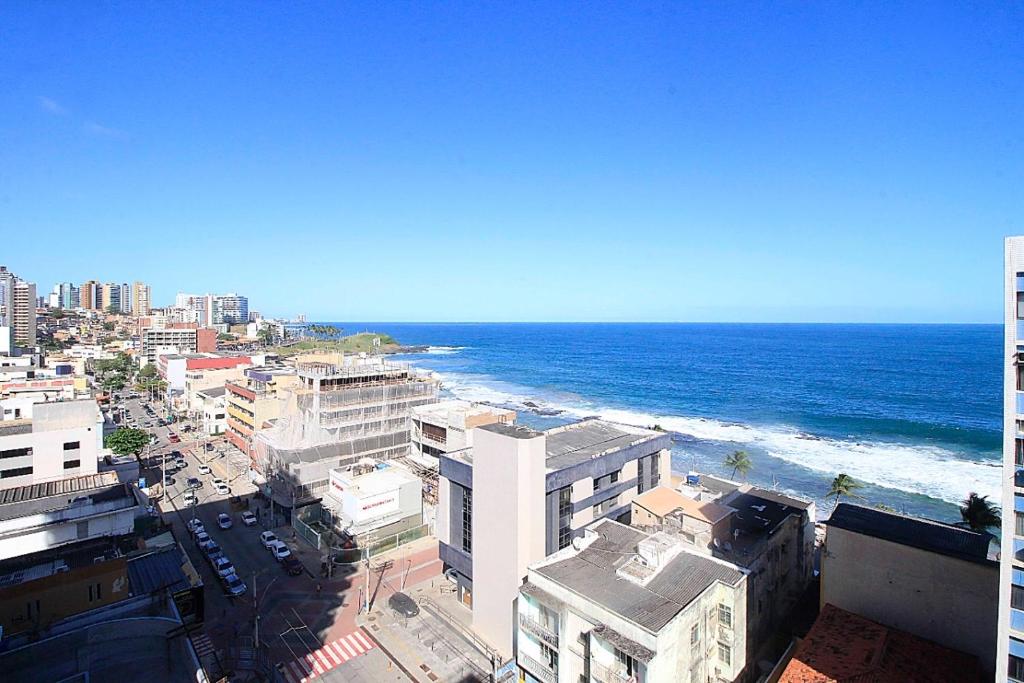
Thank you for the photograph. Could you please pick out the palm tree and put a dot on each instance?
(843, 485)
(979, 514)
(740, 462)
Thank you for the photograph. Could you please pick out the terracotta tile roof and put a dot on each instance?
(661, 500)
(843, 647)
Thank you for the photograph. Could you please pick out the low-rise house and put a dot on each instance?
(624, 605)
(61, 439)
(927, 578)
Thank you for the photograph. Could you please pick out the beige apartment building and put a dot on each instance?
(253, 401)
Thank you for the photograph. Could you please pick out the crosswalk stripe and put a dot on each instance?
(352, 640)
(345, 644)
(336, 647)
(365, 641)
(322, 658)
(330, 652)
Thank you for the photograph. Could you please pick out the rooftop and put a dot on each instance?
(457, 412)
(378, 480)
(843, 647)
(159, 570)
(593, 572)
(578, 442)
(21, 501)
(923, 534)
(662, 500)
(213, 392)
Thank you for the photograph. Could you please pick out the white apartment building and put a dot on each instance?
(447, 426)
(621, 605)
(1010, 644)
(540, 489)
(60, 440)
(211, 409)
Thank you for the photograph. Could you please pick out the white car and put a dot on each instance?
(190, 498)
(205, 469)
(279, 550)
(234, 585)
(203, 539)
(222, 489)
(223, 521)
(222, 565)
(268, 537)
(218, 482)
(195, 526)
(248, 518)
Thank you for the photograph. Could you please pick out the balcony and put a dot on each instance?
(538, 630)
(611, 674)
(542, 672)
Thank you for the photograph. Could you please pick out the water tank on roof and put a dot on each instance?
(64, 369)
(693, 479)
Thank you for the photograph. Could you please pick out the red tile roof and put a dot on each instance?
(843, 647)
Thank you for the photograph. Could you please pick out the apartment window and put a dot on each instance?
(695, 634)
(71, 464)
(71, 445)
(1017, 597)
(1018, 456)
(602, 508)
(467, 520)
(1016, 668)
(15, 453)
(1018, 518)
(725, 615)
(627, 663)
(640, 475)
(724, 653)
(564, 517)
(564, 536)
(655, 472)
(16, 472)
(95, 592)
(82, 530)
(549, 657)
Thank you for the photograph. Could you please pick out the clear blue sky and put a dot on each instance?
(527, 161)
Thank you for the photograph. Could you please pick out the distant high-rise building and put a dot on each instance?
(90, 295)
(126, 297)
(76, 295)
(215, 309)
(141, 303)
(234, 309)
(110, 298)
(24, 313)
(7, 279)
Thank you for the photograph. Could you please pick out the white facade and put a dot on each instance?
(447, 426)
(375, 499)
(62, 439)
(1010, 644)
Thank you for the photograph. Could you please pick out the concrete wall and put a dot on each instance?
(508, 518)
(49, 456)
(948, 600)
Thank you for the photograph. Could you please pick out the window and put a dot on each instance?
(549, 657)
(725, 615)
(724, 653)
(695, 634)
(15, 453)
(640, 475)
(564, 517)
(16, 472)
(564, 536)
(1019, 520)
(467, 520)
(655, 472)
(1017, 597)
(628, 663)
(71, 446)
(1016, 670)
(71, 464)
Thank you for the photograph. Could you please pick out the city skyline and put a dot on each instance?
(707, 164)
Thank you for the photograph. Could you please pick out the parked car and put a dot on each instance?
(222, 565)
(205, 469)
(195, 526)
(203, 539)
(291, 566)
(248, 518)
(174, 438)
(213, 551)
(403, 605)
(234, 585)
(168, 480)
(222, 489)
(193, 483)
(267, 537)
(223, 521)
(180, 463)
(279, 550)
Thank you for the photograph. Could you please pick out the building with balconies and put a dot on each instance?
(541, 488)
(447, 426)
(622, 605)
(253, 401)
(1010, 656)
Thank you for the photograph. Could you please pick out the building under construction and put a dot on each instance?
(344, 410)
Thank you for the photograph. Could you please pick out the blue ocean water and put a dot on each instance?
(911, 411)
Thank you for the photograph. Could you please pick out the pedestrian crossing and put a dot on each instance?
(333, 654)
(202, 644)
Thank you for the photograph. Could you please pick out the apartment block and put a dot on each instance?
(927, 578)
(343, 409)
(1010, 657)
(624, 605)
(60, 440)
(23, 318)
(447, 426)
(177, 340)
(89, 294)
(253, 401)
(141, 302)
(542, 488)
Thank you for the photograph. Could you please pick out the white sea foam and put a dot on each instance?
(443, 350)
(933, 471)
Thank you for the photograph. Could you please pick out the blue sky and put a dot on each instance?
(527, 161)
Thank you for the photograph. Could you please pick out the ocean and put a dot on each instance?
(913, 412)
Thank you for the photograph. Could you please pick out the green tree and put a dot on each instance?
(148, 372)
(108, 326)
(843, 485)
(265, 336)
(113, 382)
(127, 441)
(740, 462)
(113, 309)
(979, 514)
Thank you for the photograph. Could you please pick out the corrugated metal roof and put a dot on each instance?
(80, 484)
(160, 570)
(924, 534)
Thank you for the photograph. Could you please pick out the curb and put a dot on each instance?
(401, 667)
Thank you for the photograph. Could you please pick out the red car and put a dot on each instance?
(174, 438)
